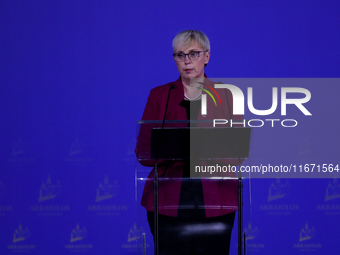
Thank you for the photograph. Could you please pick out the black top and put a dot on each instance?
(191, 202)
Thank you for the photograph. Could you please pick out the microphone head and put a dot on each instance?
(173, 86)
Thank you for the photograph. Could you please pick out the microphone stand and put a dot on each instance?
(240, 197)
(155, 183)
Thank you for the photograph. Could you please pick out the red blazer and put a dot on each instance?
(220, 196)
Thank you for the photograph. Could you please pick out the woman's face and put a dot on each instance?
(192, 68)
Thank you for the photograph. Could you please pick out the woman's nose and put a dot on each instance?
(187, 60)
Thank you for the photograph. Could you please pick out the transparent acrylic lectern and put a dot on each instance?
(188, 172)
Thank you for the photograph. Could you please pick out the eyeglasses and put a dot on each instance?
(193, 55)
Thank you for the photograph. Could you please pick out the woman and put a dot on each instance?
(195, 216)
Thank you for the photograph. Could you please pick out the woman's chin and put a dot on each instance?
(190, 76)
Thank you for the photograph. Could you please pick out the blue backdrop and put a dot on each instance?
(75, 76)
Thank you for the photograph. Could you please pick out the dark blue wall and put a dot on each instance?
(74, 78)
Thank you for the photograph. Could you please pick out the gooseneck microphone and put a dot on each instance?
(167, 102)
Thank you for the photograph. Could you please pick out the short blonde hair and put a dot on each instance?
(188, 36)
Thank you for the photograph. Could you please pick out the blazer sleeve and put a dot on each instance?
(143, 148)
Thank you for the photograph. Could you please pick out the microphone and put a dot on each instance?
(226, 94)
(173, 86)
